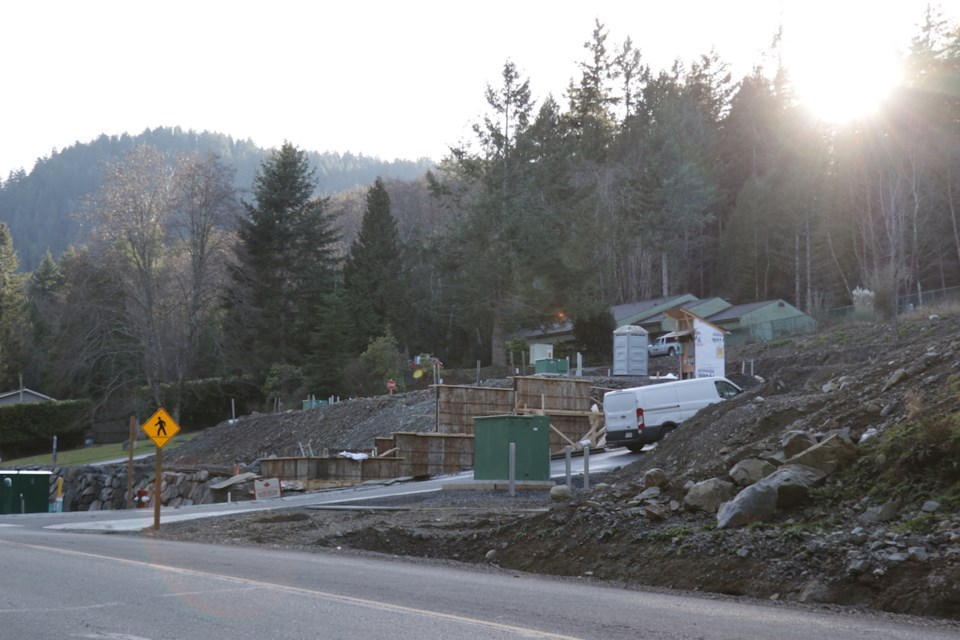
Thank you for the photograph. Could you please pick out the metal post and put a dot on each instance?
(568, 455)
(513, 469)
(586, 464)
(23, 504)
(579, 364)
(478, 373)
(54, 449)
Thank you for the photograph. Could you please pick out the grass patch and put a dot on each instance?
(282, 518)
(913, 461)
(663, 535)
(95, 453)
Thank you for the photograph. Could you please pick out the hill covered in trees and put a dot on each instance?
(643, 184)
(40, 206)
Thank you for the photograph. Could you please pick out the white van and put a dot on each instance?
(642, 415)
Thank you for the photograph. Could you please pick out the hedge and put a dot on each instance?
(28, 422)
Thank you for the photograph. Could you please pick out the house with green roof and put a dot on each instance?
(762, 321)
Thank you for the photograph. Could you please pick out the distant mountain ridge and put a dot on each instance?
(38, 206)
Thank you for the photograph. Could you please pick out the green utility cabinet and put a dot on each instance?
(24, 491)
(492, 436)
(551, 365)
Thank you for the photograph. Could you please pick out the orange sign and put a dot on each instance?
(160, 428)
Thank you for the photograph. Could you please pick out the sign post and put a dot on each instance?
(391, 385)
(160, 428)
(131, 444)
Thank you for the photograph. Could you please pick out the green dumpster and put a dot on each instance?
(24, 491)
(551, 365)
(491, 442)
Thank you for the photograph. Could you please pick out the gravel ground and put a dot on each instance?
(851, 380)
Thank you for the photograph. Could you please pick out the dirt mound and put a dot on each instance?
(882, 533)
(348, 425)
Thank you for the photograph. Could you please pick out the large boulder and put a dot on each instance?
(747, 472)
(793, 483)
(655, 478)
(756, 503)
(793, 442)
(785, 487)
(708, 495)
(828, 456)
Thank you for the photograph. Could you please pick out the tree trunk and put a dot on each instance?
(498, 348)
(664, 275)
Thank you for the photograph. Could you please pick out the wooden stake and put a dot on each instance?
(130, 445)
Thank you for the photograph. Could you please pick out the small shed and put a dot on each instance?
(630, 356)
(703, 345)
(540, 351)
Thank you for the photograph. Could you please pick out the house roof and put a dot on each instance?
(639, 311)
(687, 306)
(738, 311)
(35, 395)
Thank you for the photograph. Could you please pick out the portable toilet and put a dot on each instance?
(630, 357)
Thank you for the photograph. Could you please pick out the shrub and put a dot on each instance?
(28, 427)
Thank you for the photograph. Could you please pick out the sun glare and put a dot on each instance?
(844, 65)
(846, 90)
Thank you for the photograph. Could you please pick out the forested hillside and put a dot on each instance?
(638, 183)
(41, 206)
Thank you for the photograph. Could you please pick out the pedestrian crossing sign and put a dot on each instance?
(160, 428)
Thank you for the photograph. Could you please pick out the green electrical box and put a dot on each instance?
(492, 436)
(551, 365)
(24, 491)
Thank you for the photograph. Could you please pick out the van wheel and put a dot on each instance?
(666, 430)
(671, 351)
(635, 448)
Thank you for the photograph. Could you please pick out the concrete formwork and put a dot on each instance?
(457, 406)
(566, 401)
(434, 453)
(319, 473)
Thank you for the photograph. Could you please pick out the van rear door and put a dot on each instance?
(620, 415)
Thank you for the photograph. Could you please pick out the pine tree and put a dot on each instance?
(14, 321)
(286, 262)
(372, 270)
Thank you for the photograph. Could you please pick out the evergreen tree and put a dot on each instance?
(13, 312)
(286, 262)
(44, 290)
(489, 186)
(372, 271)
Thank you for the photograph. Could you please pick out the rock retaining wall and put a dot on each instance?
(92, 488)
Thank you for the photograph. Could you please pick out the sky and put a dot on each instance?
(399, 79)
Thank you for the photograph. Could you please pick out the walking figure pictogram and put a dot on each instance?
(161, 427)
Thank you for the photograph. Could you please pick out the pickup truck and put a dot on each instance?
(664, 346)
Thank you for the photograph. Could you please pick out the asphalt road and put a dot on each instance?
(59, 585)
(55, 583)
(136, 519)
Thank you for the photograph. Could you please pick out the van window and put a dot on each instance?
(725, 389)
(623, 401)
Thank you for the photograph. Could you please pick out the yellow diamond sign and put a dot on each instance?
(160, 428)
